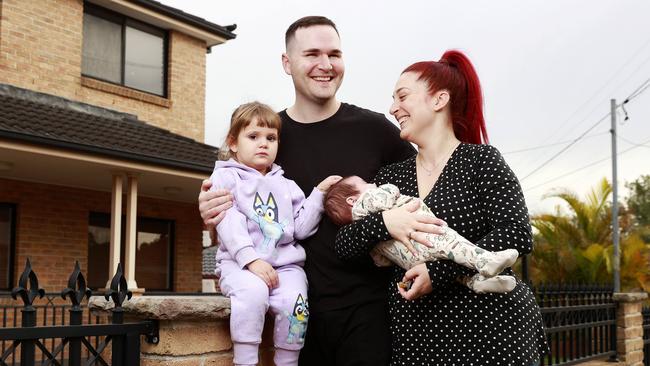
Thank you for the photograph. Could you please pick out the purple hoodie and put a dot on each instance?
(270, 213)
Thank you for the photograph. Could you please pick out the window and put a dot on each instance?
(123, 51)
(153, 258)
(7, 240)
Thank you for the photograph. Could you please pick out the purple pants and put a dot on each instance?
(250, 300)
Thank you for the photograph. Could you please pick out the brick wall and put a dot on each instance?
(52, 229)
(40, 49)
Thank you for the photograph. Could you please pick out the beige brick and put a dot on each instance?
(632, 358)
(629, 333)
(629, 308)
(629, 345)
(41, 49)
(202, 360)
(48, 221)
(631, 320)
(190, 338)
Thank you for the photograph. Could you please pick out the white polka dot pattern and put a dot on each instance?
(479, 196)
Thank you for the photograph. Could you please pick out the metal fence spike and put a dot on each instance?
(27, 286)
(76, 289)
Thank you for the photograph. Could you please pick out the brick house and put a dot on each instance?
(101, 123)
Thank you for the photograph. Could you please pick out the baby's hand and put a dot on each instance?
(328, 182)
(265, 271)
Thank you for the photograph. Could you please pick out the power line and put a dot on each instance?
(612, 78)
(566, 147)
(638, 91)
(551, 145)
(632, 142)
(585, 166)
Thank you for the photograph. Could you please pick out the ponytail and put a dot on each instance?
(455, 73)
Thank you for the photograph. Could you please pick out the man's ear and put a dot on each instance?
(440, 100)
(286, 63)
(351, 200)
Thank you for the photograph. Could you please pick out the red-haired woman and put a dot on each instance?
(466, 183)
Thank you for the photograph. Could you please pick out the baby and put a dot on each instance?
(352, 199)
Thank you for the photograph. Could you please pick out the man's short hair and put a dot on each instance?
(306, 22)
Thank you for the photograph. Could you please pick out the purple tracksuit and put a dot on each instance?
(270, 213)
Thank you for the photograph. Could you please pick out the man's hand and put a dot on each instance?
(328, 182)
(421, 282)
(403, 224)
(213, 204)
(264, 271)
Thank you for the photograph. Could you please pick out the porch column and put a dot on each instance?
(131, 231)
(116, 227)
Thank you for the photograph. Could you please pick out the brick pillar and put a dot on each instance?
(629, 327)
(193, 330)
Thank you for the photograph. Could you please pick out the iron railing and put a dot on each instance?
(68, 337)
(580, 322)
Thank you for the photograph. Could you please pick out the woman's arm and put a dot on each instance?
(358, 238)
(502, 205)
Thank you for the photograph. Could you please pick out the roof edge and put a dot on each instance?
(177, 14)
(128, 156)
(50, 100)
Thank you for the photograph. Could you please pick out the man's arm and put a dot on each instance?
(213, 206)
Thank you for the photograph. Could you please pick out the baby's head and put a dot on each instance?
(342, 196)
(253, 136)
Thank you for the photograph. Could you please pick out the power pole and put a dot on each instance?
(615, 236)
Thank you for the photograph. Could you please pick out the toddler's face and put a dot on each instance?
(256, 147)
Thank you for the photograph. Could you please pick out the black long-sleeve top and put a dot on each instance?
(354, 141)
(479, 196)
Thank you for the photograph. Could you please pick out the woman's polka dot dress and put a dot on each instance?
(479, 196)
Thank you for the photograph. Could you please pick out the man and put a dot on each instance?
(321, 136)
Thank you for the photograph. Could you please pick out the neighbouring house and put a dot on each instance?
(101, 128)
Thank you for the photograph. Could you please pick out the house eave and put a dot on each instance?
(165, 17)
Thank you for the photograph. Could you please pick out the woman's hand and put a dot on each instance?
(403, 224)
(213, 204)
(421, 282)
(328, 182)
(264, 271)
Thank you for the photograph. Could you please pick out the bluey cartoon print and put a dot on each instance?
(265, 214)
(298, 321)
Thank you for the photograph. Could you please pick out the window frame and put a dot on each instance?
(12, 246)
(123, 21)
(170, 249)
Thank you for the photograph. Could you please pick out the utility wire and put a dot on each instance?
(550, 145)
(632, 142)
(638, 91)
(585, 166)
(566, 147)
(612, 78)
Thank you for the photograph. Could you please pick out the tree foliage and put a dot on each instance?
(577, 246)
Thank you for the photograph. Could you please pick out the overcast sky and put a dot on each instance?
(548, 70)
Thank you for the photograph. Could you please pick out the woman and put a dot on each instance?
(467, 184)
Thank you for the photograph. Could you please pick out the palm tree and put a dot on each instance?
(577, 247)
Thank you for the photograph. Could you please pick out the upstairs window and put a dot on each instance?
(124, 51)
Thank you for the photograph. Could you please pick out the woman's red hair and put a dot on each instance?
(455, 73)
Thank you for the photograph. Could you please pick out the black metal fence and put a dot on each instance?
(580, 322)
(50, 311)
(646, 336)
(47, 333)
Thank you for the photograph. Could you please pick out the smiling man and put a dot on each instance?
(320, 136)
